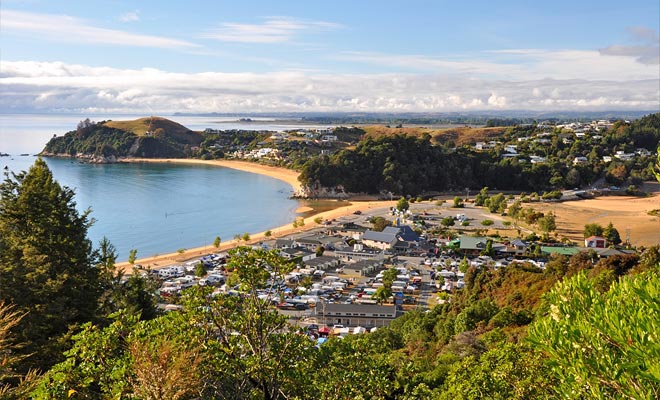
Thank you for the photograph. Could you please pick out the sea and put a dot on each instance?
(156, 208)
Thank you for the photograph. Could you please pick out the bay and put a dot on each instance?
(160, 208)
(157, 208)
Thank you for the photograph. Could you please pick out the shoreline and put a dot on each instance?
(288, 176)
(168, 259)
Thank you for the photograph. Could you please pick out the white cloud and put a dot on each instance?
(645, 51)
(53, 86)
(131, 16)
(73, 30)
(518, 64)
(273, 30)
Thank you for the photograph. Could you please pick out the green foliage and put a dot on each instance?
(200, 270)
(603, 345)
(216, 242)
(378, 224)
(245, 237)
(481, 197)
(553, 195)
(268, 233)
(46, 262)
(318, 220)
(458, 202)
(611, 234)
(496, 204)
(507, 371)
(447, 221)
(547, 223)
(593, 230)
(132, 256)
(402, 204)
(655, 168)
(487, 222)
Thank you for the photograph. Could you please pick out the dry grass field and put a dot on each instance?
(629, 215)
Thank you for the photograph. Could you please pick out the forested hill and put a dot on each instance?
(522, 157)
(150, 137)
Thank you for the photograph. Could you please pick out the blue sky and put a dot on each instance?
(390, 56)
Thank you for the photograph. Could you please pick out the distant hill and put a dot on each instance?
(150, 137)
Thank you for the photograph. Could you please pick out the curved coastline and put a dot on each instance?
(283, 174)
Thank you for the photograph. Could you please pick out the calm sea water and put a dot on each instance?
(160, 208)
(156, 208)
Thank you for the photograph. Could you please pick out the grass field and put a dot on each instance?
(629, 215)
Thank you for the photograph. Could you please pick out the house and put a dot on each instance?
(475, 245)
(518, 246)
(607, 158)
(297, 252)
(595, 242)
(366, 315)
(351, 230)
(623, 156)
(536, 159)
(380, 240)
(364, 267)
(580, 160)
(322, 263)
(358, 252)
(390, 236)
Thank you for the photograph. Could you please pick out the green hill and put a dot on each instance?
(150, 137)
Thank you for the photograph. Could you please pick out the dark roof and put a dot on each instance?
(385, 237)
(333, 308)
(297, 251)
(404, 232)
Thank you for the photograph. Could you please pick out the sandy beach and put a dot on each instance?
(286, 175)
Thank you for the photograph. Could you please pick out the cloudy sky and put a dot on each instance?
(159, 56)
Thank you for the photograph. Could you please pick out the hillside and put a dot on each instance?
(459, 136)
(150, 137)
(158, 126)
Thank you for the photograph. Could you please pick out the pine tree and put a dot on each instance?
(46, 262)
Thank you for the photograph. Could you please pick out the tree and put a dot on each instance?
(547, 223)
(246, 237)
(132, 255)
(10, 358)
(463, 265)
(496, 203)
(216, 242)
(593, 230)
(402, 204)
(268, 233)
(318, 220)
(481, 197)
(382, 294)
(487, 222)
(200, 270)
(514, 209)
(611, 234)
(458, 202)
(447, 221)
(46, 262)
(380, 223)
(506, 371)
(655, 168)
(601, 345)
(488, 250)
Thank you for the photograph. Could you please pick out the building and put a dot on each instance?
(366, 315)
(475, 245)
(595, 242)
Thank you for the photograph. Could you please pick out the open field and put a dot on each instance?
(628, 214)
